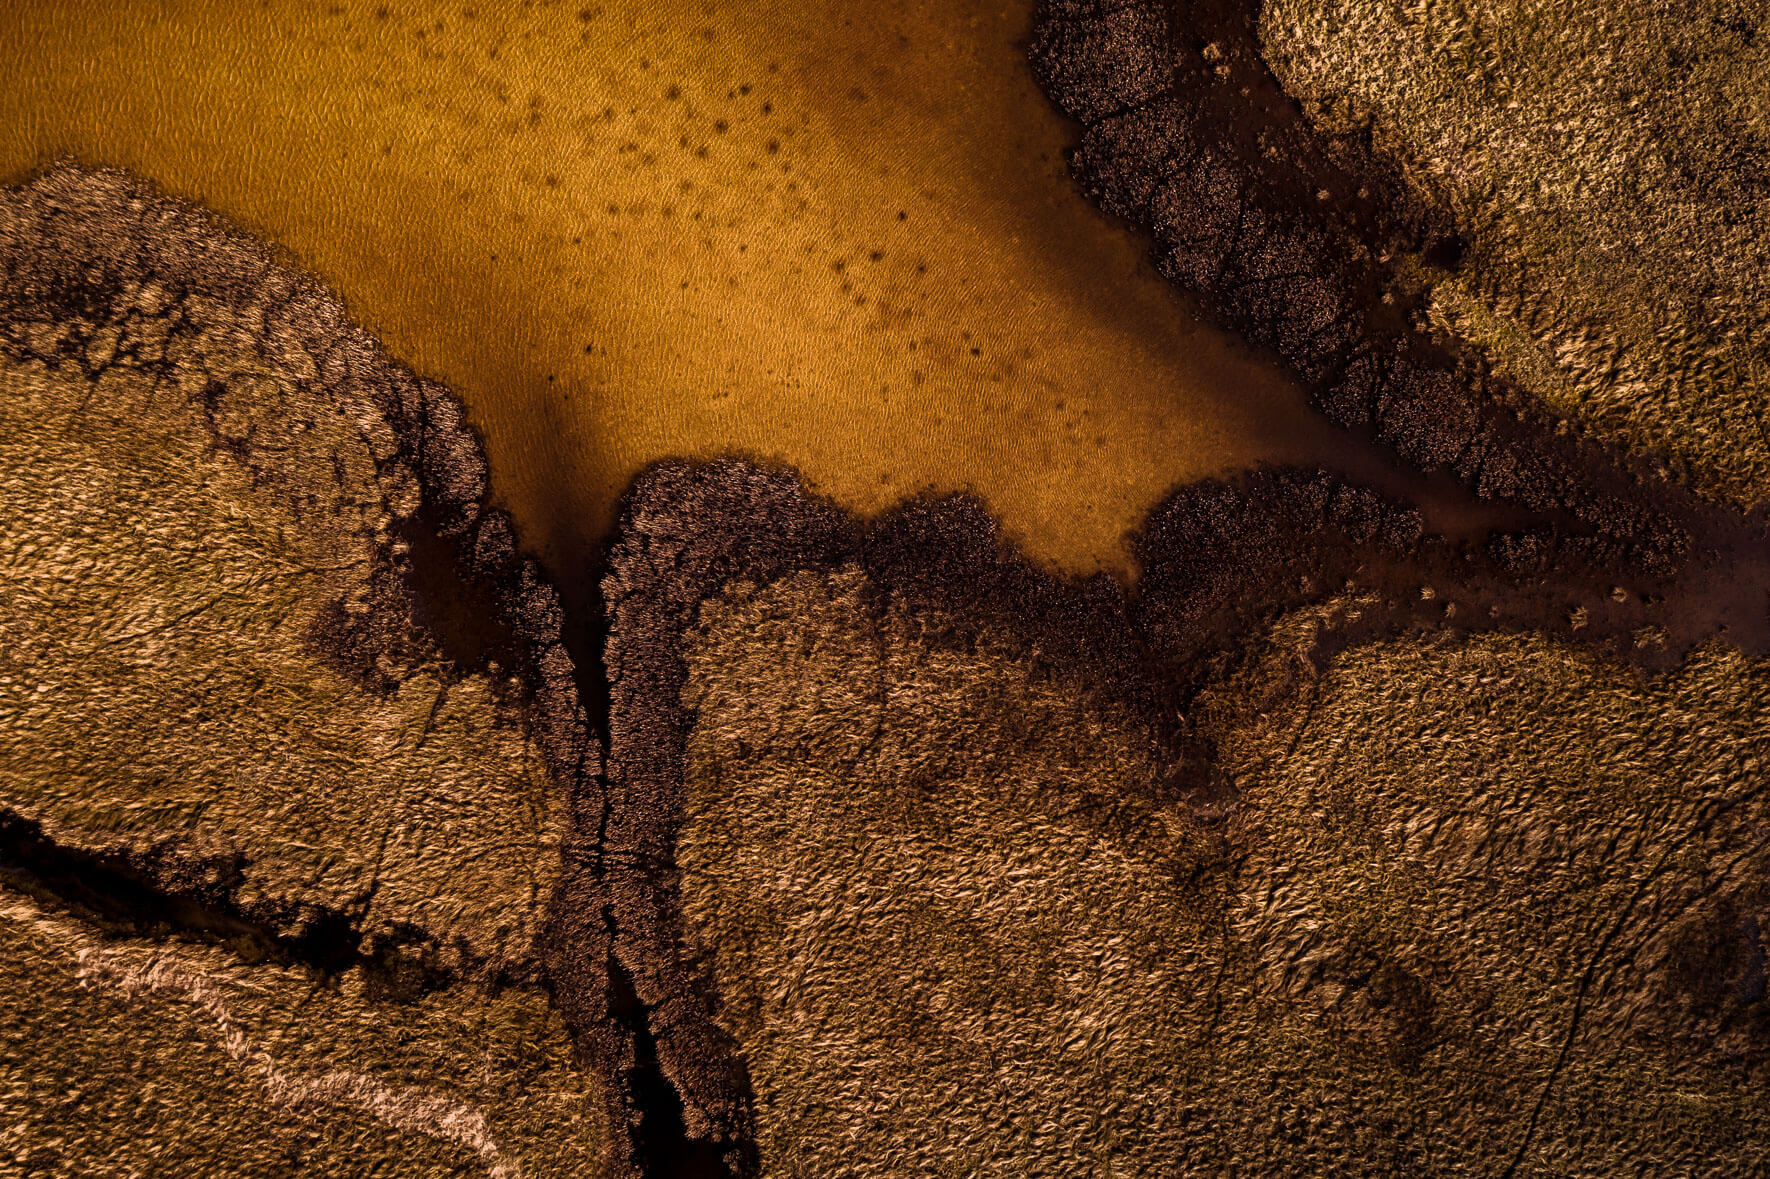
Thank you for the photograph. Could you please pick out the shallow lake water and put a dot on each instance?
(836, 235)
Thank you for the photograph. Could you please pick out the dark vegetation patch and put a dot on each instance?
(1290, 239)
(1219, 559)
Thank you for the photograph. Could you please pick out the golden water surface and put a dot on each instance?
(834, 233)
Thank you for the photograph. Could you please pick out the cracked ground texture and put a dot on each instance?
(246, 668)
(1606, 165)
(146, 1057)
(1478, 903)
(1338, 844)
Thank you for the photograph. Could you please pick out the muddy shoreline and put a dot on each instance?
(1285, 240)
(1587, 545)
